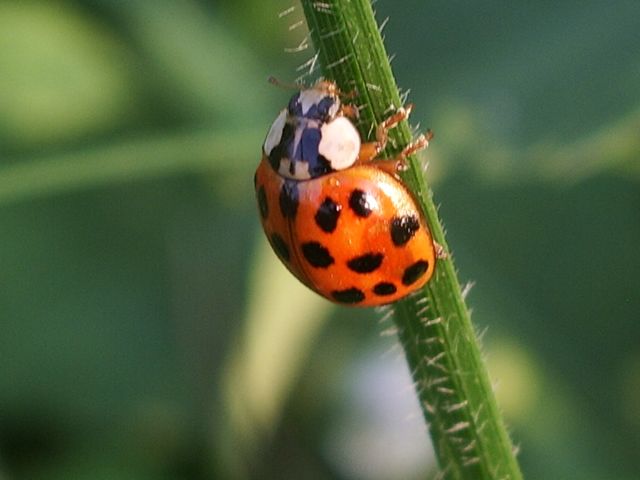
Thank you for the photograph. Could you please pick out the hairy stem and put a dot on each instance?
(434, 328)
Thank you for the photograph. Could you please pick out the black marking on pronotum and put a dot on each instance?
(262, 202)
(403, 229)
(414, 272)
(282, 149)
(289, 199)
(327, 215)
(280, 247)
(384, 288)
(320, 167)
(350, 295)
(360, 203)
(366, 263)
(317, 255)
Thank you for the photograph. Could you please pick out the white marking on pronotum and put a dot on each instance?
(339, 143)
(275, 132)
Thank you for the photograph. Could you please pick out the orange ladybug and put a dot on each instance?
(341, 221)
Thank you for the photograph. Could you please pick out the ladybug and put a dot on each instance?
(339, 219)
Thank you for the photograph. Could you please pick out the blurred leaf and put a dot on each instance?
(198, 59)
(123, 161)
(467, 145)
(61, 74)
(282, 320)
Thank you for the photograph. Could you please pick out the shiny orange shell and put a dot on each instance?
(354, 236)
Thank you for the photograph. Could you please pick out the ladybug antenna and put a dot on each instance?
(287, 86)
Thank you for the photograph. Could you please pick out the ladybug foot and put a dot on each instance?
(392, 165)
(382, 132)
(420, 143)
(370, 150)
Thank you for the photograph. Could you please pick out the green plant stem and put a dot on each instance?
(434, 328)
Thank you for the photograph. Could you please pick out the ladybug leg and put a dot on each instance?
(399, 163)
(418, 144)
(350, 111)
(382, 132)
(370, 150)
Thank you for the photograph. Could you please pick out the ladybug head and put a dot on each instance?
(320, 102)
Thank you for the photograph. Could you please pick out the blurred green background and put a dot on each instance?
(146, 332)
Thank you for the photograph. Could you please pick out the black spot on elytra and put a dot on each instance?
(360, 203)
(327, 215)
(280, 247)
(366, 263)
(289, 199)
(403, 228)
(350, 295)
(317, 255)
(383, 289)
(262, 202)
(414, 272)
